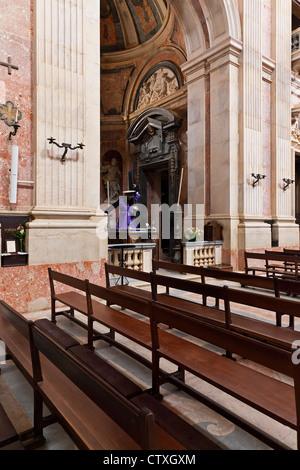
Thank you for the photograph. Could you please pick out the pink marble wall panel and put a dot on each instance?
(26, 288)
(16, 40)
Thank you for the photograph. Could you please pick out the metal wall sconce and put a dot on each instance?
(287, 182)
(257, 177)
(65, 146)
(11, 115)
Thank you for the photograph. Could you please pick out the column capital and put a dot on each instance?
(227, 52)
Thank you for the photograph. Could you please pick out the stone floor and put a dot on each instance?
(17, 394)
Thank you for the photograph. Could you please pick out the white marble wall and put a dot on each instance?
(67, 107)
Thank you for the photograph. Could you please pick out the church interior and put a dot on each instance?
(149, 225)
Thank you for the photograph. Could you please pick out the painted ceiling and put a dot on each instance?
(129, 23)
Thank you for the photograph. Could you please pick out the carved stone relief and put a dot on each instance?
(162, 83)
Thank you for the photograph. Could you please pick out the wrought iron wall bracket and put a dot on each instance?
(257, 177)
(287, 182)
(13, 133)
(66, 147)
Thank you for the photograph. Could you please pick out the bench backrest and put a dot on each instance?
(242, 278)
(273, 256)
(16, 319)
(206, 290)
(265, 302)
(125, 272)
(119, 298)
(293, 252)
(138, 423)
(286, 285)
(176, 267)
(249, 348)
(65, 279)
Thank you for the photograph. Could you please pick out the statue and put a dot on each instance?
(111, 179)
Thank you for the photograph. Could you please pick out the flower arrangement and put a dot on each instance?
(193, 233)
(20, 234)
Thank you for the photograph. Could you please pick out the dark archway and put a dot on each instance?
(157, 152)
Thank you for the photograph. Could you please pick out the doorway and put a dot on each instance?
(158, 194)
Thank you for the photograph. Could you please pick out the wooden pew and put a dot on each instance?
(229, 316)
(105, 419)
(94, 302)
(266, 394)
(260, 282)
(95, 415)
(275, 264)
(15, 333)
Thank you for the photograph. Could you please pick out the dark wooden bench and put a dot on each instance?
(291, 251)
(273, 285)
(203, 273)
(80, 297)
(234, 313)
(105, 419)
(122, 273)
(95, 415)
(264, 393)
(15, 333)
(273, 264)
(94, 302)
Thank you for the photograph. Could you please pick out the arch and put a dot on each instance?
(219, 19)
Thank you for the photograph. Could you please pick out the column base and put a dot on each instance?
(58, 239)
(285, 234)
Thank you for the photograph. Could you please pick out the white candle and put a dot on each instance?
(14, 174)
(17, 115)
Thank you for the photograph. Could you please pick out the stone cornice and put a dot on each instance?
(268, 67)
(226, 52)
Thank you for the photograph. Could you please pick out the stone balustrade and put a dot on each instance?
(202, 253)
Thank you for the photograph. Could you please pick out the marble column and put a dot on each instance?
(253, 232)
(223, 66)
(283, 164)
(67, 108)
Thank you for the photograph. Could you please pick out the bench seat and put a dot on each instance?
(123, 323)
(64, 339)
(241, 382)
(109, 373)
(74, 300)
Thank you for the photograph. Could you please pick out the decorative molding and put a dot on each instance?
(268, 67)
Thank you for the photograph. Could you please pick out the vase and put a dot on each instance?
(21, 244)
